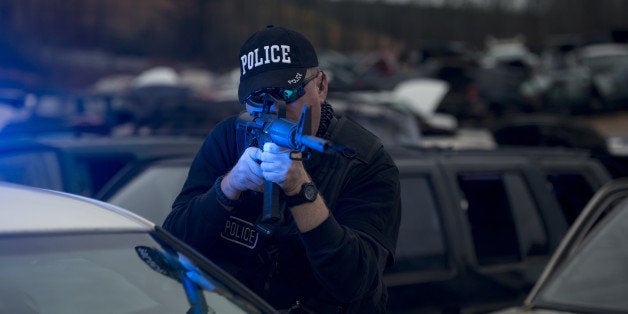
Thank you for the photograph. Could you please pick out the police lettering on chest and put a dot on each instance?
(268, 55)
(240, 231)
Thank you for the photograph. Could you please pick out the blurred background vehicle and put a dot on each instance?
(61, 253)
(83, 165)
(503, 68)
(148, 187)
(587, 273)
(588, 79)
(478, 225)
(550, 130)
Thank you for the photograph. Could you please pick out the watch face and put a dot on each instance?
(310, 192)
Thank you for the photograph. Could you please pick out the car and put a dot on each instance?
(149, 187)
(64, 253)
(608, 65)
(560, 131)
(477, 225)
(391, 124)
(588, 272)
(82, 165)
(592, 80)
(410, 114)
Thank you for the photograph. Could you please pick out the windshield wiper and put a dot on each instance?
(180, 269)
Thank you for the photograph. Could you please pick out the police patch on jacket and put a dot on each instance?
(240, 232)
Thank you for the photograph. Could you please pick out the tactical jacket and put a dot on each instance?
(337, 266)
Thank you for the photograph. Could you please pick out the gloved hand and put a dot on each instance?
(278, 166)
(245, 175)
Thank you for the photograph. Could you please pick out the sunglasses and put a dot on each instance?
(289, 95)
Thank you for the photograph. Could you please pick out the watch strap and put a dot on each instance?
(307, 194)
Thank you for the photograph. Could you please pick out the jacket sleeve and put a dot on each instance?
(349, 251)
(196, 217)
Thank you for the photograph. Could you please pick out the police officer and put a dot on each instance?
(342, 212)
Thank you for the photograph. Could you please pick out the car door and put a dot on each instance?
(573, 181)
(504, 221)
(426, 256)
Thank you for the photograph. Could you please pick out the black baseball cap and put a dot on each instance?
(274, 57)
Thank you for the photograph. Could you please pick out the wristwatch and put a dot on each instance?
(308, 194)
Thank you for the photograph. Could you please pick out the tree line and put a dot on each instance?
(209, 32)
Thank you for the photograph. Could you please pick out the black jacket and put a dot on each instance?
(337, 265)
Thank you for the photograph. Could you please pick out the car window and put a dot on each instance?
(572, 191)
(34, 168)
(531, 232)
(104, 273)
(101, 168)
(151, 193)
(504, 221)
(595, 276)
(421, 243)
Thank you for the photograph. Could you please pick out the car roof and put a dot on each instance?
(139, 145)
(604, 50)
(32, 210)
(414, 152)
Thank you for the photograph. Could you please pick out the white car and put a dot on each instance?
(62, 253)
(588, 273)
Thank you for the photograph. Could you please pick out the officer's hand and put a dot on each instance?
(279, 168)
(245, 175)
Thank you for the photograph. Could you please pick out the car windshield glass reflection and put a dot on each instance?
(596, 276)
(102, 273)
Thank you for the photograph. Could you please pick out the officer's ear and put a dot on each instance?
(322, 86)
(323, 79)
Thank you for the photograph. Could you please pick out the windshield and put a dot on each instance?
(105, 273)
(596, 276)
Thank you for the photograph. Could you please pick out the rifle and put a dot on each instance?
(262, 127)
